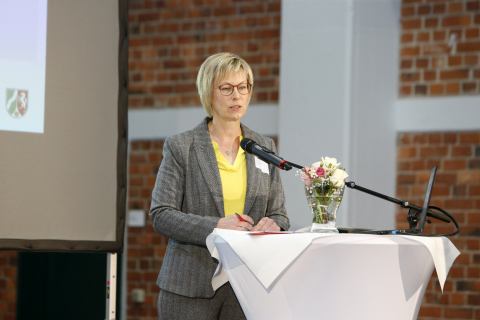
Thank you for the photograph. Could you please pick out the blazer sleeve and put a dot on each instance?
(167, 197)
(276, 197)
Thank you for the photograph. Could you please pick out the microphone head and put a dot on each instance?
(247, 144)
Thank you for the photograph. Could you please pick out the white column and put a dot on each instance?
(339, 66)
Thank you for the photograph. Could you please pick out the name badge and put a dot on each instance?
(261, 165)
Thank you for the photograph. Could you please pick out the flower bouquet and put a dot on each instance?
(324, 183)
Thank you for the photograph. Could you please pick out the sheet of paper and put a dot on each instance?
(260, 233)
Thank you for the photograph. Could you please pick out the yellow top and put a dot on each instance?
(234, 180)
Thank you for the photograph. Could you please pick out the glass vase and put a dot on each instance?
(324, 201)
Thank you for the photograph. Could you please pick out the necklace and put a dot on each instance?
(228, 152)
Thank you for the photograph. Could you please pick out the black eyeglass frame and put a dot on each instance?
(249, 86)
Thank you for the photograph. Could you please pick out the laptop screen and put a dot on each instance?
(427, 198)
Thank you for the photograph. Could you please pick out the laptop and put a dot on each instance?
(423, 217)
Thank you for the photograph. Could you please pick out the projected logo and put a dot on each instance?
(17, 102)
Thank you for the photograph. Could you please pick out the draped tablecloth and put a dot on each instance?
(325, 276)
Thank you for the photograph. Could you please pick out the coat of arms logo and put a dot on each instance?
(17, 102)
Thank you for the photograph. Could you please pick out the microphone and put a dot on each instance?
(264, 154)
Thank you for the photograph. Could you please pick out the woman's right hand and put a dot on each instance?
(233, 223)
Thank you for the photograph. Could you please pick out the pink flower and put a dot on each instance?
(320, 172)
(305, 177)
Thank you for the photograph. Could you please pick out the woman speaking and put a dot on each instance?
(204, 179)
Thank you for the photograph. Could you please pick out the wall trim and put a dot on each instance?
(411, 115)
(151, 124)
(461, 113)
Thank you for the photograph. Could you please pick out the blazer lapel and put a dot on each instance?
(253, 174)
(207, 162)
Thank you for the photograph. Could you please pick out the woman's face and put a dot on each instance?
(234, 106)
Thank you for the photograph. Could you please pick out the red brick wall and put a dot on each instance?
(146, 248)
(8, 284)
(428, 65)
(170, 39)
(457, 190)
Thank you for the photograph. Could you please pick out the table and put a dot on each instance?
(334, 277)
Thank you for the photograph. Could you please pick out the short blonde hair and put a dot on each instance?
(217, 68)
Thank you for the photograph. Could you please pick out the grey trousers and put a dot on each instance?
(224, 305)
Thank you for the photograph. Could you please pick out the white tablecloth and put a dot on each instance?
(312, 276)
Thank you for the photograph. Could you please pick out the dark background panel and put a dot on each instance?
(54, 285)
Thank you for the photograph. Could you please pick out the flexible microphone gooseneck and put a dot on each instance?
(252, 147)
(264, 154)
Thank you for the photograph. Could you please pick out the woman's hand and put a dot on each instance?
(233, 223)
(266, 224)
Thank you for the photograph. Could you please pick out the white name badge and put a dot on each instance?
(261, 165)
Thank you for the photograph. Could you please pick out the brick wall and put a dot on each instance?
(8, 284)
(457, 190)
(170, 39)
(429, 66)
(146, 248)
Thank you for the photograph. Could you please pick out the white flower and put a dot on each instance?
(316, 165)
(338, 177)
(332, 161)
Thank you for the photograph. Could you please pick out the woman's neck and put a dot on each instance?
(225, 130)
(227, 135)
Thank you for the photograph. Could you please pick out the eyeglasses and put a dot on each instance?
(242, 88)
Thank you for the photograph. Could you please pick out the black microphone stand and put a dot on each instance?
(293, 165)
(413, 210)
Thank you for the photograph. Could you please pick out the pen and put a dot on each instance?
(240, 217)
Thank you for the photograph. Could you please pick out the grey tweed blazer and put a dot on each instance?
(187, 202)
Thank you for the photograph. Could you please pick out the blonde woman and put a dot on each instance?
(204, 179)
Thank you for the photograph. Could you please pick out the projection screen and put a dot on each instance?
(63, 125)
